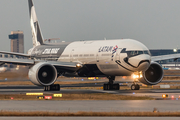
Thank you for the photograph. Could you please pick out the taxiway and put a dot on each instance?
(154, 93)
(91, 105)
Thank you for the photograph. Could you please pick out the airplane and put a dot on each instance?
(95, 58)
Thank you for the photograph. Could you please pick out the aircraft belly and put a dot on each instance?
(113, 69)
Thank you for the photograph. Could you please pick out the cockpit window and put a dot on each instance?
(147, 52)
(134, 53)
(140, 52)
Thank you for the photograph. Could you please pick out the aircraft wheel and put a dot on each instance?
(45, 88)
(135, 87)
(55, 87)
(108, 86)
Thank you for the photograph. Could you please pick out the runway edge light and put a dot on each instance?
(34, 93)
(40, 97)
(47, 97)
(57, 95)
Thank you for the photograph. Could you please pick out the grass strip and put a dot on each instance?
(91, 96)
(83, 114)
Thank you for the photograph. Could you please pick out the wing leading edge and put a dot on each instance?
(14, 53)
(65, 66)
(165, 57)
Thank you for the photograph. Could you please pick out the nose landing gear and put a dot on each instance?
(136, 76)
(135, 86)
(110, 85)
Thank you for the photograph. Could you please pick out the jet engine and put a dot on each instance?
(43, 74)
(153, 75)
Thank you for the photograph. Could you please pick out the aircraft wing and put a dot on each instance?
(16, 61)
(65, 66)
(14, 53)
(165, 57)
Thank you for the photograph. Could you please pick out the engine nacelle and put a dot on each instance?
(153, 75)
(43, 74)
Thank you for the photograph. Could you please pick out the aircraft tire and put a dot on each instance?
(135, 87)
(45, 88)
(55, 87)
(107, 86)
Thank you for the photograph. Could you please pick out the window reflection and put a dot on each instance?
(134, 53)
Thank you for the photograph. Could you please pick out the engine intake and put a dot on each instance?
(153, 75)
(43, 74)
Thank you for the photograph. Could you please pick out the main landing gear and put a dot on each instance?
(135, 86)
(54, 87)
(110, 85)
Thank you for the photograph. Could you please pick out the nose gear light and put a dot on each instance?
(137, 75)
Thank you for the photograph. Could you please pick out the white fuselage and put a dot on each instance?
(108, 55)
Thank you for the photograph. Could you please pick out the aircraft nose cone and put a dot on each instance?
(144, 63)
(141, 62)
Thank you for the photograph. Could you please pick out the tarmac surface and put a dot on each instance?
(163, 105)
(154, 93)
(90, 105)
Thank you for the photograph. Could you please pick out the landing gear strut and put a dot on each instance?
(54, 87)
(135, 86)
(110, 85)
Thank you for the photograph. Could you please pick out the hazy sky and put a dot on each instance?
(156, 23)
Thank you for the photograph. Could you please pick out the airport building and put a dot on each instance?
(17, 41)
